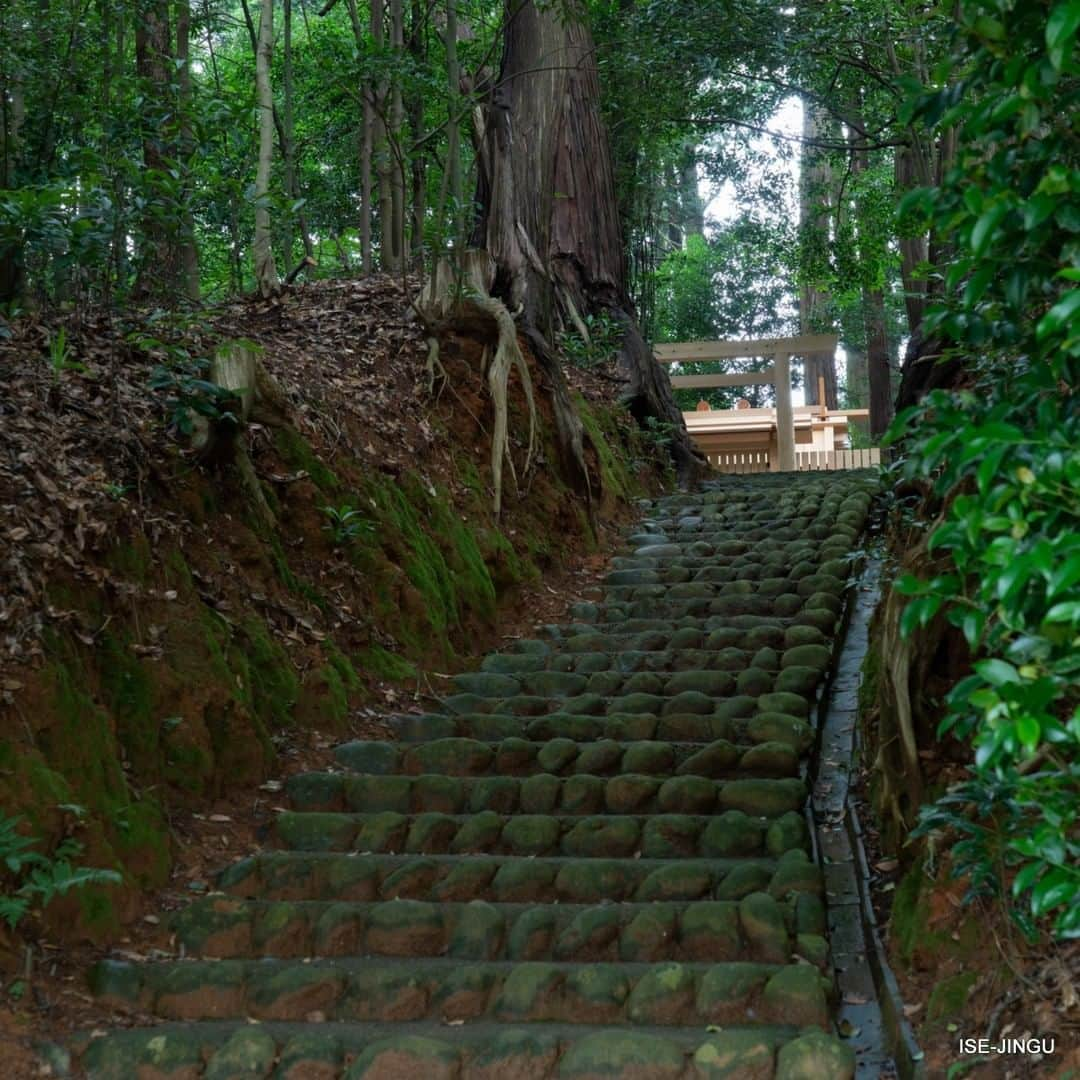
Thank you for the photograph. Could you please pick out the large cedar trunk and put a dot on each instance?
(549, 216)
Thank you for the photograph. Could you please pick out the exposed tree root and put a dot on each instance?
(466, 304)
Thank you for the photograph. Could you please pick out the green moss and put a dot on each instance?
(949, 996)
(382, 664)
(602, 429)
(129, 696)
(297, 453)
(289, 579)
(871, 675)
(910, 914)
(343, 666)
(142, 841)
(97, 912)
(178, 573)
(133, 560)
(274, 686)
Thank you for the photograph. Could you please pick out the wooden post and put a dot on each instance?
(824, 408)
(785, 418)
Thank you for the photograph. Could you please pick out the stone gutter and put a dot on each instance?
(870, 1012)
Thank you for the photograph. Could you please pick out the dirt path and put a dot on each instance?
(594, 862)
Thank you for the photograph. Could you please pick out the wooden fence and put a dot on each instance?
(830, 460)
(740, 461)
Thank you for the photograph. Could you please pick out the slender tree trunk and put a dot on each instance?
(816, 199)
(912, 248)
(384, 166)
(159, 255)
(266, 278)
(395, 141)
(453, 129)
(878, 367)
(549, 215)
(690, 204)
(189, 252)
(415, 110)
(288, 148)
(366, 147)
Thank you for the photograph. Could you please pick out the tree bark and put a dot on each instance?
(816, 199)
(415, 110)
(159, 254)
(549, 216)
(266, 278)
(189, 252)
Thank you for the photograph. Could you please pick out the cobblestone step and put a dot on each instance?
(290, 875)
(757, 928)
(538, 1051)
(592, 861)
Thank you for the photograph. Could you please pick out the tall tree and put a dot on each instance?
(266, 277)
(817, 202)
(549, 215)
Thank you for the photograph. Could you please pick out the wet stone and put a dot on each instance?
(588, 881)
(774, 727)
(622, 1053)
(583, 795)
(629, 793)
(531, 834)
(713, 761)
(727, 992)
(514, 1054)
(377, 758)
(590, 934)
(731, 834)
(755, 681)
(248, 1054)
(709, 930)
(796, 995)
(735, 1055)
(787, 703)
(498, 793)
(478, 932)
(514, 756)
(794, 874)
(539, 794)
(798, 680)
(679, 881)
(599, 758)
(529, 992)
(452, 757)
(381, 833)
(650, 758)
(337, 931)
(742, 880)
(556, 755)
(687, 795)
(480, 832)
(689, 701)
(594, 837)
(430, 834)
(786, 833)
(531, 935)
(770, 759)
(671, 836)
(444, 794)
(405, 1055)
(415, 878)
(373, 794)
(763, 927)
(763, 798)
(523, 882)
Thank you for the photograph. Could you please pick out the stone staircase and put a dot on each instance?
(594, 862)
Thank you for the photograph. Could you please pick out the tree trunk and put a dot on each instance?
(384, 166)
(189, 252)
(266, 278)
(912, 248)
(395, 141)
(415, 110)
(159, 256)
(816, 198)
(453, 180)
(549, 215)
(367, 142)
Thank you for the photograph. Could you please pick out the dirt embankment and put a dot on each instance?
(164, 640)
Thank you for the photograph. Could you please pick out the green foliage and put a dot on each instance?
(1002, 454)
(604, 336)
(34, 879)
(60, 355)
(346, 525)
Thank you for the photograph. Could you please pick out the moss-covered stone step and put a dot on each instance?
(487, 831)
(560, 755)
(758, 928)
(739, 720)
(542, 1051)
(666, 674)
(547, 793)
(288, 875)
(390, 991)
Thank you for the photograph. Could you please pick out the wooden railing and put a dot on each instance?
(830, 460)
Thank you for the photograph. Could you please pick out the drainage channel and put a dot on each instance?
(871, 1012)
